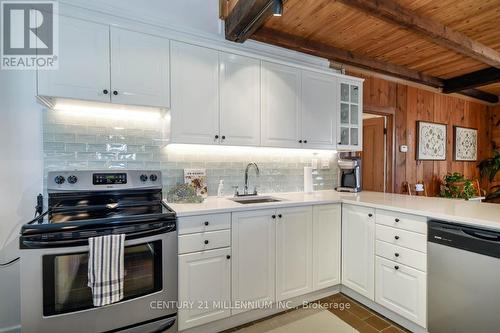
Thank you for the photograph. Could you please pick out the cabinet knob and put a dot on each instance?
(216, 136)
(396, 267)
(370, 215)
(305, 141)
(396, 220)
(273, 216)
(105, 91)
(223, 137)
(396, 254)
(300, 141)
(280, 216)
(206, 241)
(339, 143)
(396, 237)
(228, 257)
(206, 223)
(115, 92)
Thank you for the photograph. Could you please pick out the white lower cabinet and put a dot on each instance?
(358, 249)
(204, 280)
(254, 258)
(327, 233)
(401, 289)
(293, 252)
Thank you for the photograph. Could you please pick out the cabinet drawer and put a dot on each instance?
(402, 255)
(204, 241)
(404, 238)
(202, 223)
(402, 221)
(401, 289)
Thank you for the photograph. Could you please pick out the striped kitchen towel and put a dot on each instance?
(105, 269)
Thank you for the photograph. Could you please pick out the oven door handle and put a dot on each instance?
(84, 241)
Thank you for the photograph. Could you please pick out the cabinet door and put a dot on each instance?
(83, 63)
(358, 249)
(139, 69)
(401, 289)
(204, 279)
(280, 106)
(195, 94)
(319, 114)
(239, 100)
(327, 233)
(254, 251)
(350, 121)
(293, 252)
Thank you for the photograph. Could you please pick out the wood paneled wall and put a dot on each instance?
(495, 134)
(412, 104)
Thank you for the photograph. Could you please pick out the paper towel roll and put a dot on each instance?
(308, 180)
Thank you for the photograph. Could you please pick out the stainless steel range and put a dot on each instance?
(54, 254)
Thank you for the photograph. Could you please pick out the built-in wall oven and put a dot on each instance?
(54, 254)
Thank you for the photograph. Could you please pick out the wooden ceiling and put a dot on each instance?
(325, 27)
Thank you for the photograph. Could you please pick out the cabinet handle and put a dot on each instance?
(105, 91)
(206, 241)
(273, 216)
(228, 257)
(300, 141)
(396, 267)
(280, 216)
(370, 215)
(206, 223)
(396, 255)
(396, 220)
(115, 92)
(396, 237)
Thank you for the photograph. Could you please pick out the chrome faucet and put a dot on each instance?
(245, 191)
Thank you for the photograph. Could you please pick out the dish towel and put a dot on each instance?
(105, 269)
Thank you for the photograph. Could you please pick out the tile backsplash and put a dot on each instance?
(79, 141)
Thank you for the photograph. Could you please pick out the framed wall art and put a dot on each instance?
(464, 144)
(431, 141)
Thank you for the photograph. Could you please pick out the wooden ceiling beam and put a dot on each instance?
(479, 78)
(390, 11)
(246, 17)
(335, 54)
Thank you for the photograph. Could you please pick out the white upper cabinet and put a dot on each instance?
(140, 69)
(254, 256)
(293, 252)
(327, 233)
(103, 65)
(195, 94)
(319, 110)
(358, 249)
(350, 116)
(239, 100)
(280, 105)
(83, 63)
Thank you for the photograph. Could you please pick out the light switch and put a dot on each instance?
(403, 148)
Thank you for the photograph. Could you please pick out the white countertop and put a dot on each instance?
(473, 213)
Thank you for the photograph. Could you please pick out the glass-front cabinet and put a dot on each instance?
(350, 124)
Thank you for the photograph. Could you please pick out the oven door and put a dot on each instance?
(55, 295)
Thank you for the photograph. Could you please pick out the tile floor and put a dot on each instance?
(356, 315)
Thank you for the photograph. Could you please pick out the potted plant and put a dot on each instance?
(456, 186)
(488, 169)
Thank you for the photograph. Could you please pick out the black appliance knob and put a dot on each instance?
(396, 220)
(396, 267)
(143, 178)
(305, 141)
(206, 241)
(216, 136)
(105, 91)
(223, 137)
(396, 237)
(153, 178)
(300, 141)
(273, 216)
(206, 223)
(370, 215)
(280, 216)
(228, 256)
(396, 254)
(115, 92)
(59, 180)
(72, 179)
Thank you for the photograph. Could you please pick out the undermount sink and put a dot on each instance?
(254, 200)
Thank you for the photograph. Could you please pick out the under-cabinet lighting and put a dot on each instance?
(278, 8)
(245, 150)
(108, 111)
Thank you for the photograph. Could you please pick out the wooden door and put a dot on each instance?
(83, 63)
(373, 178)
(254, 257)
(140, 65)
(293, 252)
(204, 277)
(195, 94)
(358, 249)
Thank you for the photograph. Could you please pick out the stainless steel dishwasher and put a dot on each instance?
(463, 279)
